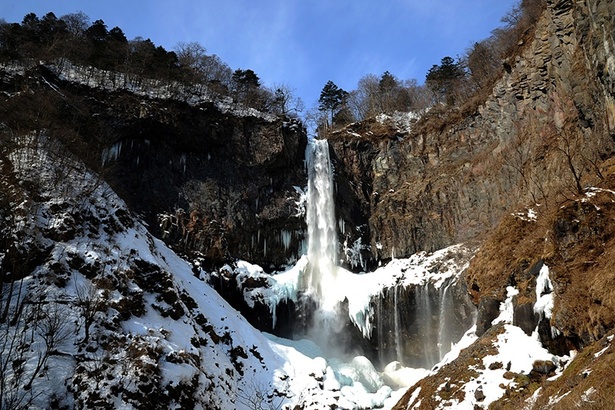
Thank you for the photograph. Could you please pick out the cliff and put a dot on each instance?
(526, 175)
(529, 176)
(542, 136)
(206, 175)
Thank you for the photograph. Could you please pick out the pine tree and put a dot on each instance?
(442, 79)
(246, 78)
(387, 86)
(332, 99)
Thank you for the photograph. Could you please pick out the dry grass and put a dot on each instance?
(587, 383)
(506, 257)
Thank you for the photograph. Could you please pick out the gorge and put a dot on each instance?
(169, 247)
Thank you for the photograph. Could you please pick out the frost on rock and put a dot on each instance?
(544, 298)
(113, 81)
(402, 121)
(507, 309)
(300, 203)
(274, 289)
(544, 294)
(353, 253)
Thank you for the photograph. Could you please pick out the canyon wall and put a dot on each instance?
(209, 176)
(539, 137)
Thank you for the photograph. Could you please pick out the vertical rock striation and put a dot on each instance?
(545, 129)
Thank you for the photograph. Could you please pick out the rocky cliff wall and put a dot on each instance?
(208, 177)
(541, 136)
(558, 151)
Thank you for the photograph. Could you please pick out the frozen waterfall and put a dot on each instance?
(322, 249)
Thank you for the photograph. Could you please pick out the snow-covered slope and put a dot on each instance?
(137, 326)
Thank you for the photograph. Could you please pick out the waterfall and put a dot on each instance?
(321, 271)
(425, 324)
(398, 347)
(444, 338)
(418, 335)
(380, 329)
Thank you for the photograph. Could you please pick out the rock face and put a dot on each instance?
(546, 174)
(547, 125)
(416, 325)
(205, 177)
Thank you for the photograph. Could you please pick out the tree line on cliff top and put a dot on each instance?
(450, 83)
(75, 38)
(453, 82)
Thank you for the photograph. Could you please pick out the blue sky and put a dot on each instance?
(300, 43)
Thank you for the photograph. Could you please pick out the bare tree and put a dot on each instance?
(89, 301)
(36, 331)
(285, 102)
(52, 330)
(258, 396)
(572, 153)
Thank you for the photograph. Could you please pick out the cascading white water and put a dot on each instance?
(321, 272)
(398, 347)
(444, 337)
(425, 323)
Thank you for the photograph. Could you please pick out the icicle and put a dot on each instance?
(380, 328)
(112, 153)
(182, 161)
(444, 342)
(286, 237)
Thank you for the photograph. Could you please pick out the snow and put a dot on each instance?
(514, 347)
(601, 352)
(194, 95)
(353, 253)
(283, 286)
(395, 375)
(507, 308)
(402, 121)
(593, 191)
(544, 293)
(468, 338)
(530, 215)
